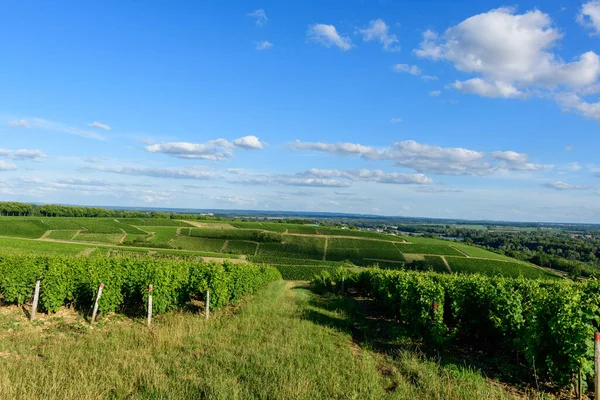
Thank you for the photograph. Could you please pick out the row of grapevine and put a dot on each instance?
(550, 323)
(75, 280)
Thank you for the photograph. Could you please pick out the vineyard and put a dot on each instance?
(75, 281)
(549, 324)
(268, 242)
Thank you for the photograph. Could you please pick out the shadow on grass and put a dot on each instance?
(372, 329)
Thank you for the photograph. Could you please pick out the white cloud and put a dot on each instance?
(206, 151)
(33, 155)
(569, 147)
(264, 45)
(170, 173)
(428, 78)
(328, 36)
(215, 150)
(409, 69)
(339, 148)
(5, 152)
(573, 103)
(589, 16)
(83, 182)
(396, 120)
(250, 142)
(4, 166)
(425, 158)
(260, 16)
(565, 186)
(510, 156)
(435, 93)
(512, 54)
(486, 89)
(366, 175)
(19, 123)
(379, 30)
(99, 125)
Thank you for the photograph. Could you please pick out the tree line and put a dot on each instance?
(16, 209)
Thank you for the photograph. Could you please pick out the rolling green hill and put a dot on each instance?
(273, 243)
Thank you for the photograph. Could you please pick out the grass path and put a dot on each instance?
(285, 343)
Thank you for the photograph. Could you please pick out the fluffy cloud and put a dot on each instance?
(33, 155)
(190, 150)
(171, 173)
(379, 30)
(425, 158)
(216, 150)
(340, 148)
(20, 123)
(486, 89)
(24, 154)
(589, 16)
(4, 166)
(511, 53)
(435, 93)
(99, 125)
(264, 45)
(573, 103)
(408, 69)
(565, 186)
(248, 142)
(367, 175)
(328, 36)
(260, 16)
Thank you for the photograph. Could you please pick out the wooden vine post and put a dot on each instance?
(597, 366)
(95, 312)
(150, 305)
(36, 298)
(207, 305)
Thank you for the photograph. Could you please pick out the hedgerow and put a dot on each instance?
(68, 279)
(551, 323)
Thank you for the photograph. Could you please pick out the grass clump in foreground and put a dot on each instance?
(285, 342)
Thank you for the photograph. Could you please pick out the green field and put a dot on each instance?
(268, 241)
(240, 247)
(198, 244)
(497, 267)
(284, 343)
(61, 235)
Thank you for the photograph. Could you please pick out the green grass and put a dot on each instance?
(431, 249)
(163, 235)
(109, 238)
(362, 252)
(497, 267)
(143, 222)
(436, 263)
(24, 228)
(38, 246)
(237, 234)
(286, 343)
(240, 247)
(198, 244)
(473, 251)
(61, 235)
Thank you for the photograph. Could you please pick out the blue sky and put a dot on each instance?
(467, 109)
